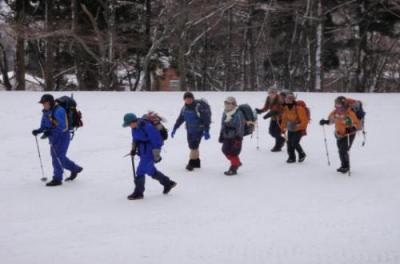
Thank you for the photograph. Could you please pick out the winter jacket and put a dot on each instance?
(294, 118)
(146, 138)
(56, 122)
(275, 107)
(234, 128)
(196, 117)
(345, 123)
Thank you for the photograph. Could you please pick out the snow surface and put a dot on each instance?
(270, 213)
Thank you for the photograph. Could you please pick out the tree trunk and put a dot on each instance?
(49, 64)
(147, 74)
(4, 68)
(318, 51)
(252, 49)
(20, 47)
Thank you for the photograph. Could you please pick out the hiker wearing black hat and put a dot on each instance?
(197, 116)
(146, 143)
(54, 126)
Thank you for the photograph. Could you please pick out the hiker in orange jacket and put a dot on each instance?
(346, 126)
(295, 121)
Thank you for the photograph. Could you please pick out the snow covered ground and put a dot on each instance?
(270, 213)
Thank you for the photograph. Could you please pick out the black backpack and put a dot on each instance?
(74, 116)
(249, 117)
(203, 110)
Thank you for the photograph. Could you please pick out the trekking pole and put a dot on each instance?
(348, 152)
(133, 167)
(364, 134)
(326, 146)
(258, 135)
(43, 179)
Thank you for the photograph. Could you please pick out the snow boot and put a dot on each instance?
(74, 175)
(343, 170)
(135, 196)
(276, 149)
(291, 160)
(302, 157)
(53, 183)
(169, 187)
(196, 164)
(232, 171)
(190, 165)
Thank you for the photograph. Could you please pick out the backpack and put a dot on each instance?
(308, 111)
(157, 121)
(357, 107)
(203, 107)
(74, 116)
(249, 117)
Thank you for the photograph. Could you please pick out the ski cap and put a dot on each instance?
(230, 100)
(188, 95)
(128, 119)
(47, 98)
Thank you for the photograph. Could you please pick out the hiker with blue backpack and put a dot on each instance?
(196, 114)
(56, 126)
(147, 142)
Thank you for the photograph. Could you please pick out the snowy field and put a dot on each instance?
(270, 213)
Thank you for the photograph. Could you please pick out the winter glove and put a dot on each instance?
(134, 149)
(173, 133)
(258, 111)
(157, 155)
(36, 132)
(206, 135)
(268, 115)
(46, 134)
(351, 130)
(348, 121)
(220, 138)
(324, 122)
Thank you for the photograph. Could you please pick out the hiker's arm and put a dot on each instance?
(179, 120)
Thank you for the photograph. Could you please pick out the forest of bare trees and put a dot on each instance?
(238, 45)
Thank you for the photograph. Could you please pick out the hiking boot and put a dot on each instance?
(302, 157)
(135, 196)
(169, 187)
(232, 171)
(291, 160)
(276, 149)
(196, 164)
(190, 165)
(74, 175)
(343, 170)
(53, 183)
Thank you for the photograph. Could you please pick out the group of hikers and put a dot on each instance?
(288, 116)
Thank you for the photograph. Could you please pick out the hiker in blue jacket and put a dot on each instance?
(197, 116)
(146, 143)
(54, 126)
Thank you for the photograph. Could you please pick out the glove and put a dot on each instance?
(46, 134)
(258, 111)
(173, 133)
(351, 130)
(133, 150)
(220, 138)
(36, 132)
(348, 121)
(324, 122)
(268, 115)
(157, 155)
(206, 135)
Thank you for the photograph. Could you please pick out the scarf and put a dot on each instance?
(229, 114)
